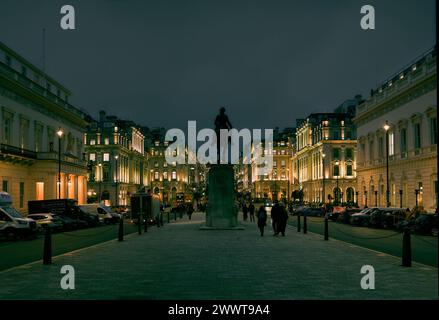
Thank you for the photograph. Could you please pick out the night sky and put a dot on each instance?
(162, 63)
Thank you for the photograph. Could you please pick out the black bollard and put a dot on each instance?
(406, 249)
(47, 253)
(298, 222)
(326, 229)
(168, 216)
(139, 224)
(121, 229)
(305, 226)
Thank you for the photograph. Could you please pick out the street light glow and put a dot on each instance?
(386, 126)
(60, 132)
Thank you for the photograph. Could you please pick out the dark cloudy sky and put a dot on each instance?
(162, 63)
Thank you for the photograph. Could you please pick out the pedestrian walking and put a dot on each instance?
(244, 211)
(262, 219)
(275, 213)
(251, 209)
(282, 220)
(190, 210)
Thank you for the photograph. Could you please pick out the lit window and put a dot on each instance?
(92, 142)
(39, 191)
(106, 141)
(92, 157)
(174, 175)
(156, 175)
(391, 144)
(165, 175)
(106, 157)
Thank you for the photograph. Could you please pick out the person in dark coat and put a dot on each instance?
(275, 212)
(190, 210)
(282, 220)
(262, 219)
(251, 209)
(244, 211)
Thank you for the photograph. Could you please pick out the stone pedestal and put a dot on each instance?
(221, 211)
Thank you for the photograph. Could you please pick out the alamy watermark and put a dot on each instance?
(246, 147)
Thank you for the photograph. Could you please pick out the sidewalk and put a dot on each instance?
(179, 261)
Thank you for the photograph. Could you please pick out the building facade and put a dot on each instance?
(277, 185)
(324, 161)
(407, 102)
(33, 108)
(117, 160)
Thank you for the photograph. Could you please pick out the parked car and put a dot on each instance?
(104, 213)
(345, 216)
(311, 211)
(386, 217)
(12, 222)
(362, 218)
(47, 220)
(426, 224)
(71, 224)
(335, 213)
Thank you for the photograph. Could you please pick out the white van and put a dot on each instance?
(105, 213)
(12, 223)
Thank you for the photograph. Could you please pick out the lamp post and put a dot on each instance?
(376, 198)
(100, 182)
(416, 194)
(400, 198)
(365, 197)
(386, 128)
(356, 197)
(337, 163)
(116, 181)
(288, 185)
(323, 178)
(59, 133)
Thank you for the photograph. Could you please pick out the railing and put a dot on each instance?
(16, 151)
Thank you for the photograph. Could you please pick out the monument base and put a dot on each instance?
(221, 211)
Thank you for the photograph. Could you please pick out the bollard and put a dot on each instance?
(406, 249)
(47, 253)
(305, 226)
(139, 224)
(298, 222)
(326, 229)
(121, 229)
(168, 216)
(146, 224)
(175, 215)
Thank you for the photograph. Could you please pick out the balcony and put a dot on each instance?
(16, 151)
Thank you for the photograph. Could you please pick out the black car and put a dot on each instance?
(386, 217)
(426, 224)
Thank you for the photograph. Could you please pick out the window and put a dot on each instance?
(336, 153)
(336, 135)
(106, 157)
(21, 194)
(165, 175)
(156, 175)
(107, 141)
(349, 154)
(371, 151)
(349, 170)
(433, 130)
(7, 127)
(92, 142)
(417, 135)
(275, 163)
(165, 164)
(391, 144)
(157, 143)
(5, 186)
(283, 163)
(8, 60)
(336, 170)
(92, 157)
(156, 164)
(39, 192)
(381, 147)
(174, 175)
(403, 134)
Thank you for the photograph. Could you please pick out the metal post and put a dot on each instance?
(305, 225)
(59, 167)
(376, 198)
(326, 229)
(298, 222)
(121, 229)
(387, 170)
(416, 194)
(400, 198)
(140, 217)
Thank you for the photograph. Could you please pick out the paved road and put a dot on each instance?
(180, 261)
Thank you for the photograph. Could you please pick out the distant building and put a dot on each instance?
(116, 157)
(324, 161)
(33, 107)
(277, 184)
(407, 101)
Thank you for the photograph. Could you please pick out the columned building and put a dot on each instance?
(407, 103)
(33, 109)
(324, 161)
(116, 157)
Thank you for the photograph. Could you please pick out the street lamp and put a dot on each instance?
(288, 185)
(386, 128)
(323, 178)
(116, 193)
(337, 163)
(365, 198)
(59, 133)
(100, 181)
